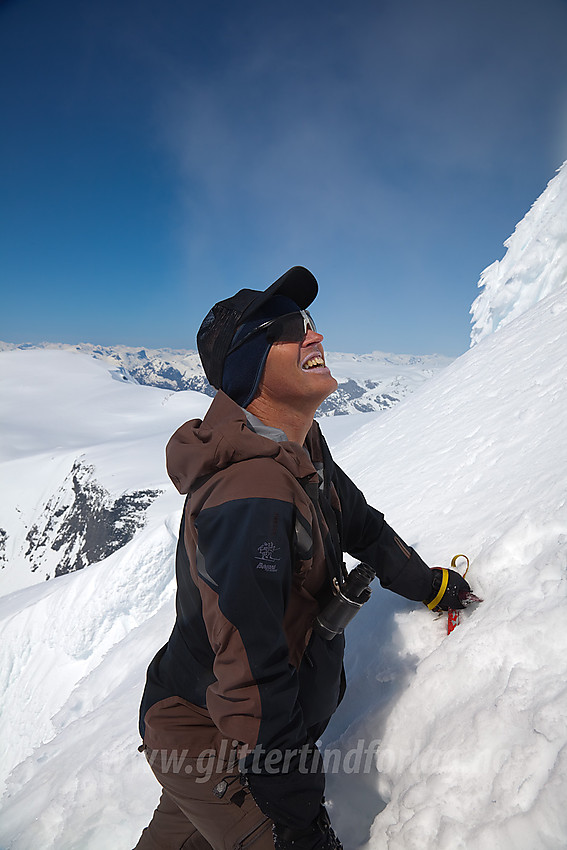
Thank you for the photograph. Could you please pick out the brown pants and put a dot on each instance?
(198, 811)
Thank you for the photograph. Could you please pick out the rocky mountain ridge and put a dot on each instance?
(81, 523)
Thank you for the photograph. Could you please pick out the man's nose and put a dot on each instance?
(312, 337)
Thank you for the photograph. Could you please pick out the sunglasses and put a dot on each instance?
(292, 327)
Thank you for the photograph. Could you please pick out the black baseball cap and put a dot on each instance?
(223, 319)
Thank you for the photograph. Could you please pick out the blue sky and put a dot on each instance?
(156, 156)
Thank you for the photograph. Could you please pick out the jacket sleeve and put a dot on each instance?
(244, 558)
(367, 536)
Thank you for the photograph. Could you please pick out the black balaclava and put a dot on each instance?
(243, 368)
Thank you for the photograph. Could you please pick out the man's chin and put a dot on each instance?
(329, 386)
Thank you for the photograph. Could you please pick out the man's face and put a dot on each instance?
(295, 373)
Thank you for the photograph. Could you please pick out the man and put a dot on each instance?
(237, 698)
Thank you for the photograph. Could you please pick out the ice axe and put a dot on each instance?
(453, 616)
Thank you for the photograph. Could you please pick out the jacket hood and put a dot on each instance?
(202, 447)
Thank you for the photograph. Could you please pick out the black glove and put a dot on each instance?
(319, 835)
(457, 594)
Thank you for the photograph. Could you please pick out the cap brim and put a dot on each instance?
(296, 283)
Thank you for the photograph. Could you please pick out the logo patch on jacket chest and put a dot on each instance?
(267, 556)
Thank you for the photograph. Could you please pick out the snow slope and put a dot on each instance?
(534, 265)
(473, 735)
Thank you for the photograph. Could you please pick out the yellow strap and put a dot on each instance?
(454, 563)
(444, 582)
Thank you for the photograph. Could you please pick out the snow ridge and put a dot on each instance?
(534, 265)
(82, 524)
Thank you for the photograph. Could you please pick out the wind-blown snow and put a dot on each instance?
(446, 742)
(534, 265)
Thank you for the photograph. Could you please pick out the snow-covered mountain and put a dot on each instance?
(81, 461)
(534, 265)
(367, 382)
(441, 742)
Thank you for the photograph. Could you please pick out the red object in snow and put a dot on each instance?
(452, 620)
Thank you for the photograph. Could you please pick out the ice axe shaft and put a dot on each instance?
(453, 618)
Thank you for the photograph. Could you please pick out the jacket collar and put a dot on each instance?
(224, 437)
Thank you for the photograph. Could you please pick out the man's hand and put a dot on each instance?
(455, 595)
(319, 835)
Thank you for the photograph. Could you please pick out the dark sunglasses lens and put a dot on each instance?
(290, 328)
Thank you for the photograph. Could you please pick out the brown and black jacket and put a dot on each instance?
(263, 532)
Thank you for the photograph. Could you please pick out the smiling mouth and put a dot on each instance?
(315, 361)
